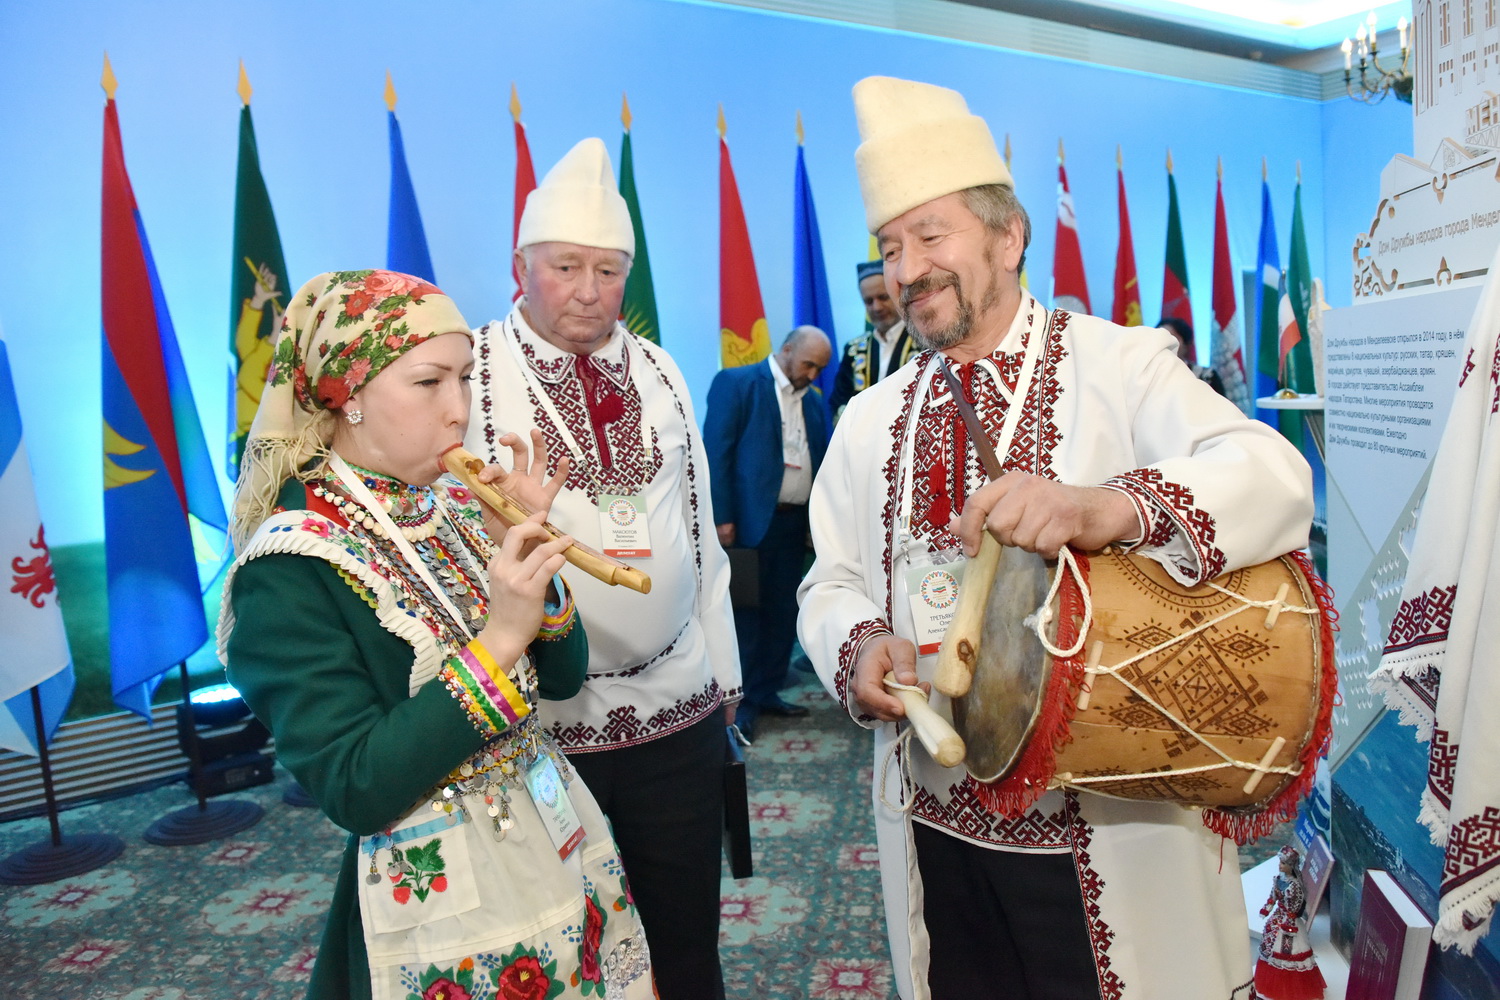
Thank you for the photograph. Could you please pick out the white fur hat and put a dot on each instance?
(577, 202)
(919, 143)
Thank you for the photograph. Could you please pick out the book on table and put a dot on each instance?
(1389, 956)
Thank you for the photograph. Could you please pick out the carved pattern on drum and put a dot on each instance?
(1473, 850)
(1442, 761)
(965, 815)
(1101, 936)
(1175, 501)
(1194, 682)
(1422, 620)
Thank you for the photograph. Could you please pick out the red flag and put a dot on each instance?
(1127, 308)
(1070, 290)
(744, 337)
(1228, 356)
(525, 180)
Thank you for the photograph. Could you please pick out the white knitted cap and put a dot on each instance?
(919, 143)
(577, 202)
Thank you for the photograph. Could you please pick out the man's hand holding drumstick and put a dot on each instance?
(1020, 509)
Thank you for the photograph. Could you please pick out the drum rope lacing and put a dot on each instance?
(1043, 616)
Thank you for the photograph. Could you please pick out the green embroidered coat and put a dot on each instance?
(314, 663)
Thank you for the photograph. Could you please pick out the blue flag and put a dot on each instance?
(1267, 330)
(811, 304)
(31, 626)
(157, 469)
(406, 244)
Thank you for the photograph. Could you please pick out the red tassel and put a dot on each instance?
(941, 511)
(1012, 795)
(1245, 825)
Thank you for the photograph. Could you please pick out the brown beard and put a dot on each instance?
(962, 325)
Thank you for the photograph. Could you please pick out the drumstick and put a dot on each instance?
(945, 745)
(960, 649)
(466, 467)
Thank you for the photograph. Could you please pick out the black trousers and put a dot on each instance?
(665, 804)
(1003, 925)
(766, 633)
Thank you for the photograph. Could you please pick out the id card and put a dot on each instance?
(932, 592)
(551, 798)
(623, 528)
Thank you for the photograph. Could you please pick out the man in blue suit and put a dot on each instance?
(765, 432)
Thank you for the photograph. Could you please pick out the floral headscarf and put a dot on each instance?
(340, 331)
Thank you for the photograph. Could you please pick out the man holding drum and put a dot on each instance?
(1105, 438)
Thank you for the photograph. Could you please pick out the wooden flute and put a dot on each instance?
(466, 467)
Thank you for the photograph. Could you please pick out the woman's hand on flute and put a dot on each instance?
(520, 572)
(881, 655)
(526, 483)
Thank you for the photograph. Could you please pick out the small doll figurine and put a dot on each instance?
(1286, 969)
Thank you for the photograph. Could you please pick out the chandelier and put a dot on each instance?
(1375, 81)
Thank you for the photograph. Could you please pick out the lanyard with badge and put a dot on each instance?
(546, 786)
(624, 528)
(933, 580)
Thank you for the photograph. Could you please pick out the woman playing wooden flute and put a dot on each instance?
(397, 652)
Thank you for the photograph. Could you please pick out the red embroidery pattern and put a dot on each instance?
(691, 470)
(1175, 501)
(1442, 763)
(966, 816)
(1111, 986)
(848, 653)
(1422, 620)
(628, 468)
(945, 468)
(1473, 851)
(625, 727)
(642, 667)
(1424, 685)
(34, 579)
(1495, 380)
(892, 471)
(486, 398)
(1468, 367)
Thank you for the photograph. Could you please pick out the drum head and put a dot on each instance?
(997, 715)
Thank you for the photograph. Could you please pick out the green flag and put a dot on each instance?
(258, 288)
(638, 311)
(1175, 299)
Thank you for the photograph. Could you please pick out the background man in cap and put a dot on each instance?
(646, 733)
(765, 432)
(1114, 441)
(873, 355)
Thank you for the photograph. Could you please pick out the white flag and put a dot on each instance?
(31, 625)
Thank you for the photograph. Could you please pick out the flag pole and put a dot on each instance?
(59, 857)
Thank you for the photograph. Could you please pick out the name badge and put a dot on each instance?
(551, 798)
(932, 592)
(623, 528)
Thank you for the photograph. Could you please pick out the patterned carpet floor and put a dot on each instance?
(241, 917)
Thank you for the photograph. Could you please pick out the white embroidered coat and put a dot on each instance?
(1215, 491)
(658, 662)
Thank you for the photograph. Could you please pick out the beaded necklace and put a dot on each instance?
(413, 509)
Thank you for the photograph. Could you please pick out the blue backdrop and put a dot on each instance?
(319, 71)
